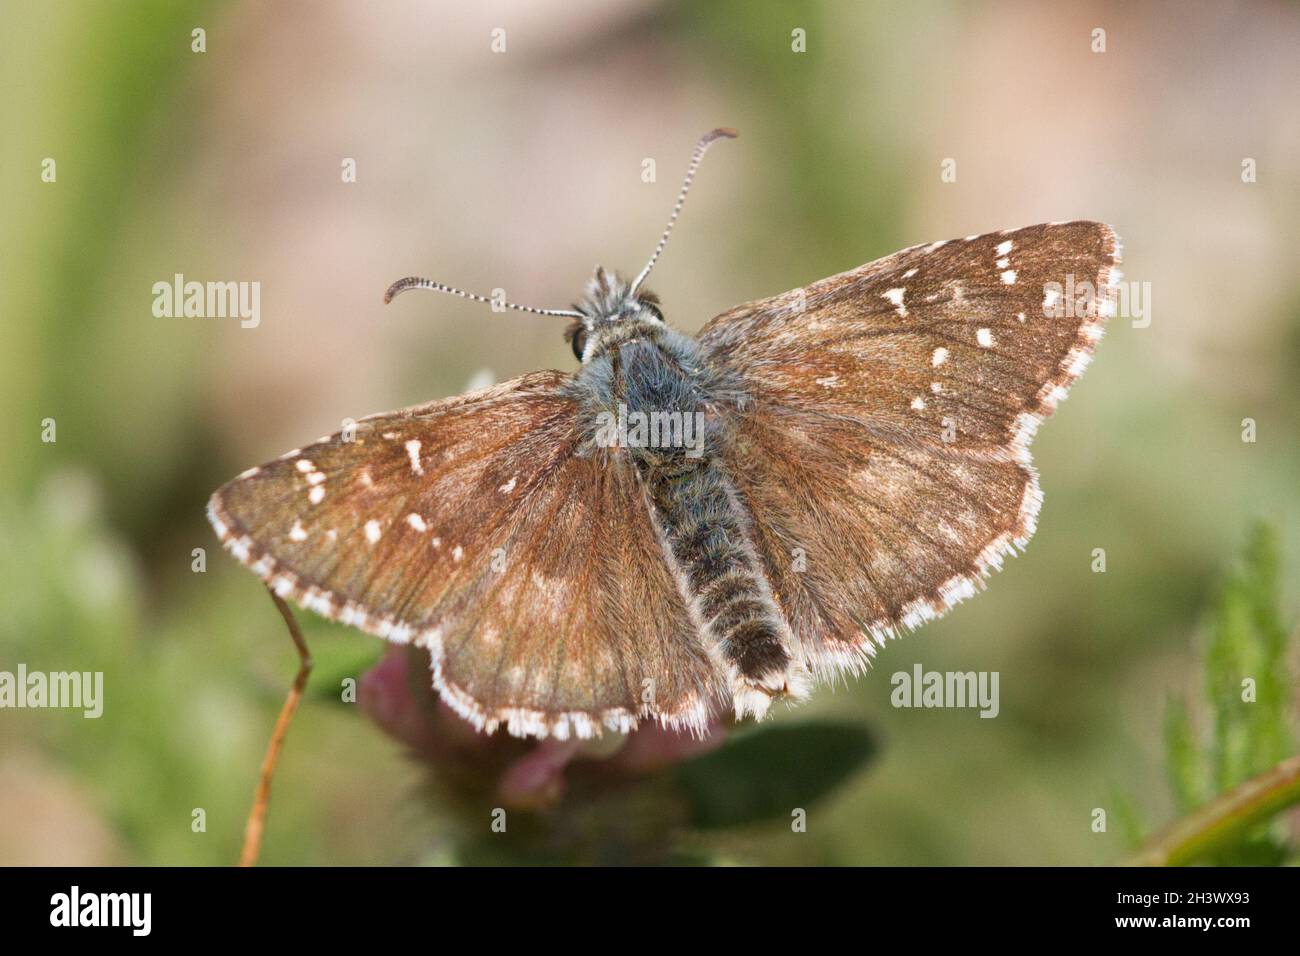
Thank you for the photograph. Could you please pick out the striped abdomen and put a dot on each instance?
(703, 529)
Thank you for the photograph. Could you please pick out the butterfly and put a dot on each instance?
(689, 523)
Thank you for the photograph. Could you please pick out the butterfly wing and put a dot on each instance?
(474, 527)
(900, 399)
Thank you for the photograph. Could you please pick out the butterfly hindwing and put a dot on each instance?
(861, 536)
(474, 527)
(883, 452)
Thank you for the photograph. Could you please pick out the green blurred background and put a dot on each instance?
(521, 170)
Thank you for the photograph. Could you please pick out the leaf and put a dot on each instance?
(1231, 791)
(1186, 767)
(1128, 820)
(1233, 829)
(335, 660)
(770, 772)
(1248, 641)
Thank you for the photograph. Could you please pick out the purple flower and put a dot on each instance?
(398, 695)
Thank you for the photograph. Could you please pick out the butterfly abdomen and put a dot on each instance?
(703, 533)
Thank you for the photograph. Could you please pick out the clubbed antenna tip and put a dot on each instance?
(416, 282)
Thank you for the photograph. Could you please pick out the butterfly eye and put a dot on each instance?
(649, 302)
(579, 342)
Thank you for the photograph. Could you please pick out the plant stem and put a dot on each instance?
(1223, 818)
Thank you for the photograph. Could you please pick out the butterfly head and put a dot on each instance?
(613, 311)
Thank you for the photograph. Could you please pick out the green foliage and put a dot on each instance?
(79, 605)
(764, 774)
(1128, 819)
(1246, 704)
(1249, 644)
(1188, 777)
(336, 660)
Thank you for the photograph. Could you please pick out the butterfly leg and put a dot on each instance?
(257, 816)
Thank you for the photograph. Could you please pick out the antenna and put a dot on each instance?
(701, 147)
(416, 282)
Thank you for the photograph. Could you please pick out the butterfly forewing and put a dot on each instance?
(946, 343)
(882, 453)
(472, 526)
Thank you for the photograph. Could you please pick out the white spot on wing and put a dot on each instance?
(304, 465)
(413, 452)
(939, 357)
(1004, 247)
(296, 533)
(985, 338)
(241, 548)
(1009, 277)
(316, 495)
(416, 522)
(896, 296)
(372, 531)
(509, 486)
(457, 553)
(918, 403)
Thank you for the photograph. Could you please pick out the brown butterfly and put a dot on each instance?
(690, 521)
